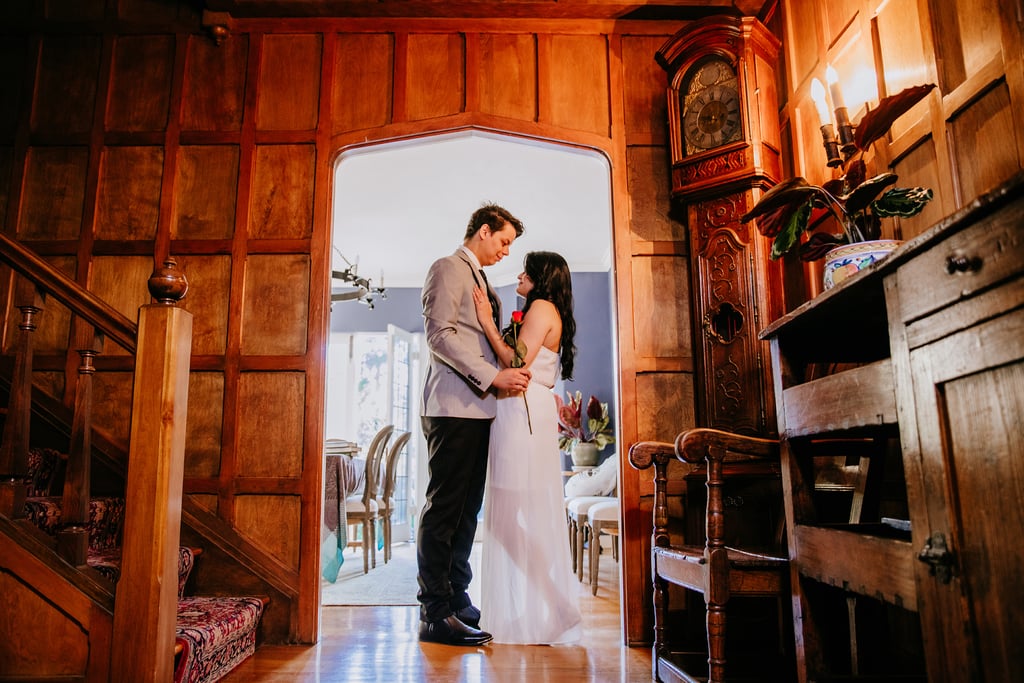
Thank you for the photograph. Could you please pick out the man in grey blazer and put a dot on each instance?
(459, 403)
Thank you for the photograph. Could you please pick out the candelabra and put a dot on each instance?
(845, 142)
(356, 288)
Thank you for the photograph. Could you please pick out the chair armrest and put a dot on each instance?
(698, 445)
(643, 454)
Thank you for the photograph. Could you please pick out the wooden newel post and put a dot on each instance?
(14, 448)
(145, 610)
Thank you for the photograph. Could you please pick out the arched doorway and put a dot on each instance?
(400, 204)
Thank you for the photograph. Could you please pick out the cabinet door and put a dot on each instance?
(968, 391)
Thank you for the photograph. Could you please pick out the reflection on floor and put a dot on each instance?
(362, 644)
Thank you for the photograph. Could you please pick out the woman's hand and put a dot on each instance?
(484, 312)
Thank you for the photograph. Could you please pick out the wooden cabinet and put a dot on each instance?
(957, 312)
(922, 356)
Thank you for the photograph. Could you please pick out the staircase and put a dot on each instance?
(213, 634)
(86, 571)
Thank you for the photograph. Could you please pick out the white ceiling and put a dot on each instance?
(398, 206)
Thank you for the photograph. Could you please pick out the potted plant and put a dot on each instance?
(582, 438)
(856, 202)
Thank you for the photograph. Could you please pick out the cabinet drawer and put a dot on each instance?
(963, 264)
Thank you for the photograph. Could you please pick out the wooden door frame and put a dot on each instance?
(632, 566)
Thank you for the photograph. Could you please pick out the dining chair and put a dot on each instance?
(361, 509)
(602, 518)
(386, 498)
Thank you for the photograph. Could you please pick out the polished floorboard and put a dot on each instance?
(361, 644)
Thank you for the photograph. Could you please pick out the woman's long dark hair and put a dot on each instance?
(552, 282)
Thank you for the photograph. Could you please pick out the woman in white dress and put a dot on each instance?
(529, 593)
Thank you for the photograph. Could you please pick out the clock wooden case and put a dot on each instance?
(726, 151)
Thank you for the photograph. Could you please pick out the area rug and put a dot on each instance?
(393, 583)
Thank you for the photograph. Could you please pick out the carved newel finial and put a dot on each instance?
(168, 284)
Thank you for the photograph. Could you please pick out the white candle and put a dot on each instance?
(818, 95)
(833, 88)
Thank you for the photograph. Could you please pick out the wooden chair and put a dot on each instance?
(386, 499)
(361, 509)
(725, 564)
(602, 518)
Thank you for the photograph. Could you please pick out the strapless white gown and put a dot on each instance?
(529, 593)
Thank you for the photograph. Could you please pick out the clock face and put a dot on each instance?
(711, 108)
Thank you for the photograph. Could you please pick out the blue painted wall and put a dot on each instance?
(595, 358)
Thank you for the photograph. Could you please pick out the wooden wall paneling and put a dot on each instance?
(980, 136)
(6, 173)
(207, 186)
(153, 11)
(803, 39)
(281, 203)
(54, 193)
(275, 309)
(51, 382)
(29, 643)
(206, 501)
(129, 193)
(67, 84)
(647, 172)
(574, 83)
(839, 14)
(661, 329)
(361, 90)
(74, 10)
(901, 52)
(140, 83)
(51, 336)
(507, 75)
(963, 38)
(270, 424)
(204, 429)
(121, 282)
(109, 414)
(434, 79)
(665, 404)
(14, 52)
(644, 93)
(214, 86)
(272, 522)
(209, 280)
(919, 168)
(289, 82)
(854, 61)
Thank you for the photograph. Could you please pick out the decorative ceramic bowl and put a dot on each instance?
(848, 259)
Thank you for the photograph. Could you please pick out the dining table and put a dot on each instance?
(344, 474)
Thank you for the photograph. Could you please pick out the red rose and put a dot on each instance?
(517, 316)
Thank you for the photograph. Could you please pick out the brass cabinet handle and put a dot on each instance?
(958, 263)
(937, 556)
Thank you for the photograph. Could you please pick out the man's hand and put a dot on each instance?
(512, 379)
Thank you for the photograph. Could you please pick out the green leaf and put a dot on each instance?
(790, 234)
(902, 201)
(861, 196)
(794, 190)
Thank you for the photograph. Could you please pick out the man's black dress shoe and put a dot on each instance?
(469, 615)
(451, 631)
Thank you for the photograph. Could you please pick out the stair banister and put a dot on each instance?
(145, 611)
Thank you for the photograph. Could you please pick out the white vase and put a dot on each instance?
(584, 454)
(848, 259)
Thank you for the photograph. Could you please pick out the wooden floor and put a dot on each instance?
(361, 644)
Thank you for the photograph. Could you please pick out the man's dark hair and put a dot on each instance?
(493, 216)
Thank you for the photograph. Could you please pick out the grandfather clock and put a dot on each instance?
(724, 134)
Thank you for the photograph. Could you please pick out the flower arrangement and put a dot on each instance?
(857, 203)
(573, 429)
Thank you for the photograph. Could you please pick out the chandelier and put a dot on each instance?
(353, 287)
